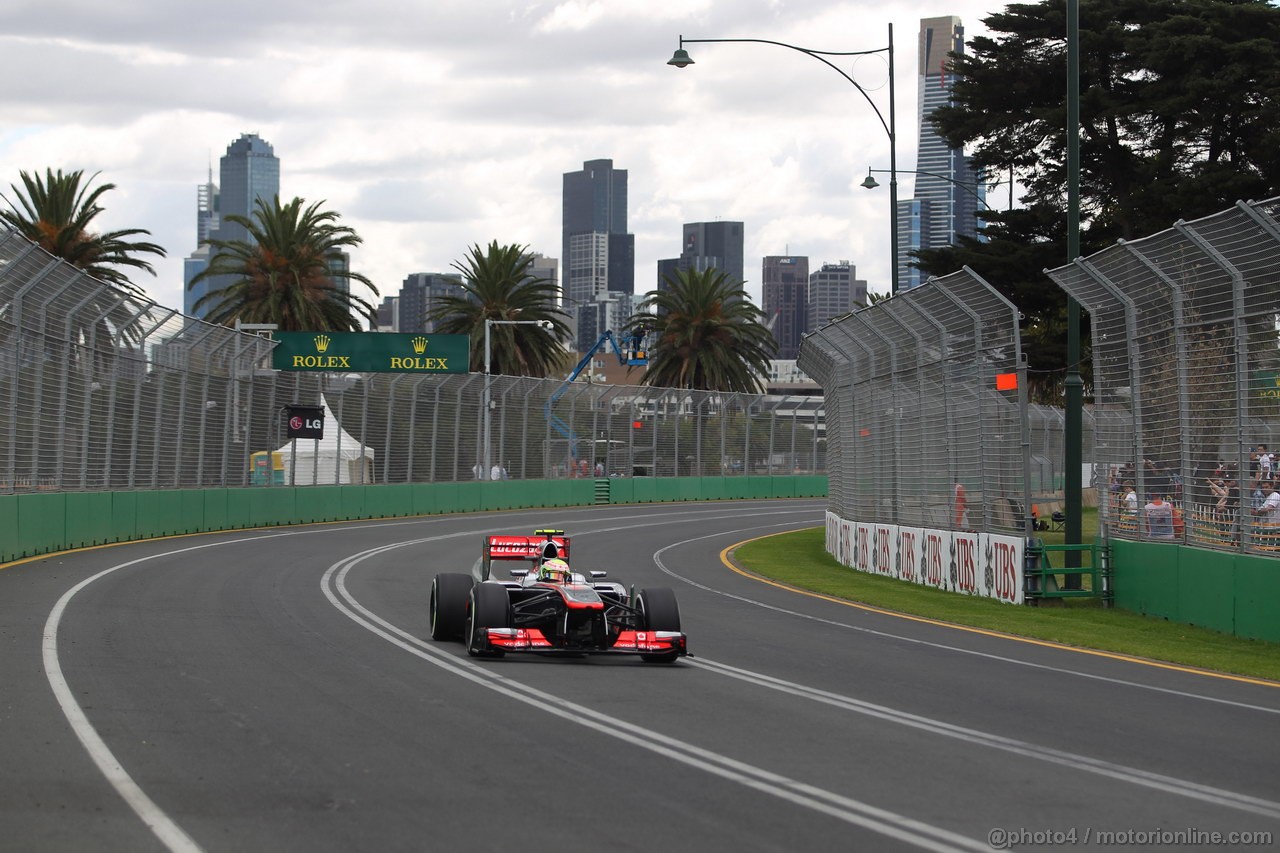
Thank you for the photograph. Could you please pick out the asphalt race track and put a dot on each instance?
(276, 690)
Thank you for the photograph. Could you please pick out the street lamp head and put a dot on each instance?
(680, 58)
(870, 183)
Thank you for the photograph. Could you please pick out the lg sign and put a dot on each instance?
(305, 421)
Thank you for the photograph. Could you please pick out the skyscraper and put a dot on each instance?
(597, 253)
(834, 291)
(419, 294)
(248, 171)
(708, 245)
(947, 192)
(785, 293)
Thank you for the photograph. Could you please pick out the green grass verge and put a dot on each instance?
(800, 559)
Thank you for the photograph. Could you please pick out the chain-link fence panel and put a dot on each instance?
(925, 398)
(1187, 379)
(105, 391)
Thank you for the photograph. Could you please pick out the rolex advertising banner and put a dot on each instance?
(371, 352)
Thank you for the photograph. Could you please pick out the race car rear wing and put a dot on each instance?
(544, 544)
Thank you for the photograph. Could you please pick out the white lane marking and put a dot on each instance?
(657, 559)
(1160, 782)
(847, 809)
(169, 833)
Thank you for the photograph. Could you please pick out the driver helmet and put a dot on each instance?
(554, 571)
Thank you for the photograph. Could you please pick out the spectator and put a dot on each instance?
(1130, 500)
(1268, 513)
(1266, 462)
(1160, 518)
(1218, 487)
(962, 507)
(599, 469)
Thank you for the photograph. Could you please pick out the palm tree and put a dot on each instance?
(498, 285)
(287, 272)
(57, 211)
(706, 335)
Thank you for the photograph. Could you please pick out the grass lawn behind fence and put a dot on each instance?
(800, 559)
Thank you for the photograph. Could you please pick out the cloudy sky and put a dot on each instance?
(433, 125)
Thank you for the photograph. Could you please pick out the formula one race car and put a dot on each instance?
(548, 608)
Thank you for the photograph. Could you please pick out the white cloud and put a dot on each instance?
(432, 127)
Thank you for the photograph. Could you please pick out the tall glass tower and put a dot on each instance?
(249, 171)
(947, 192)
(598, 255)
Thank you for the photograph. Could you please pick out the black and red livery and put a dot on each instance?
(586, 615)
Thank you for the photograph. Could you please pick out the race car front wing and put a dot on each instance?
(628, 642)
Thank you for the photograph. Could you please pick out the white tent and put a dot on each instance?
(336, 458)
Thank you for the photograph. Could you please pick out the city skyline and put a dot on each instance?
(454, 126)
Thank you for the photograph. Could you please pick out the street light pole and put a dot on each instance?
(681, 59)
(1074, 386)
(871, 183)
(486, 457)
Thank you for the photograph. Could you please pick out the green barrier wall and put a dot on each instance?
(33, 524)
(1232, 593)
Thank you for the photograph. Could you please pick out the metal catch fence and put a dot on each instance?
(102, 391)
(927, 421)
(1186, 354)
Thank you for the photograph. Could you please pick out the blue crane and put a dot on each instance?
(633, 355)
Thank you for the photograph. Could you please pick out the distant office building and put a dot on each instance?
(248, 171)
(206, 225)
(785, 284)
(597, 254)
(420, 292)
(206, 209)
(540, 266)
(913, 232)
(708, 245)
(834, 291)
(947, 192)
(667, 270)
(389, 314)
(607, 312)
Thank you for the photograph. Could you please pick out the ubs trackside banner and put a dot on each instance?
(984, 564)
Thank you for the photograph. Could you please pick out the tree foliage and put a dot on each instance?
(706, 335)
(498, 285)
(57, 212)
(1179, 118)
(287, 273)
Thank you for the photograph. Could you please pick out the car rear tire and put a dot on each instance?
(659, 612)
(449, 594)
(489, 607)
